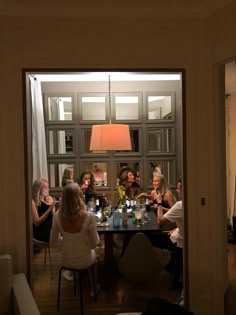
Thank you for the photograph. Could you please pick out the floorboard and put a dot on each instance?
(117, 294)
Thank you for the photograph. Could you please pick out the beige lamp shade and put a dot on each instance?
(110, 137)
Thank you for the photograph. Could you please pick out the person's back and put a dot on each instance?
(77, 227)
(76, 249)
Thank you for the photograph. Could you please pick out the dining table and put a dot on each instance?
(150, 226)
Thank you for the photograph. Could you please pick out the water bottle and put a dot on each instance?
(116, 218)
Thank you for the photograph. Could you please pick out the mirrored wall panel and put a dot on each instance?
(86, 136)
(125, 166)
(160, 106)
(165, 167)
(135, 142)
(100, 171)
(60, 141)
(127, 106)
(93, 107)
(59, 108)
(56, 171)
(160, 140)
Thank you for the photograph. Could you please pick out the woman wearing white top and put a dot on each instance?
(77, 228)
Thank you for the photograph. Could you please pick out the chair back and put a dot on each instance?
(141, 261)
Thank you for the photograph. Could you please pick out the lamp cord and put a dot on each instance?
(109, 96)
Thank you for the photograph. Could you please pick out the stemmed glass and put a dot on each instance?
(107, 214)
(138, 216)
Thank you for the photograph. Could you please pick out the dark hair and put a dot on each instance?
(157, 306)
(91, 191)
(123, 181)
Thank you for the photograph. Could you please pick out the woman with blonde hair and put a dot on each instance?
(78, 229)
(68, 176)
(43, 208)
(162, 192)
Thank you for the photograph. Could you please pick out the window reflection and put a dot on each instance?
(56, 172)
(123, 166)
(100, 171)
(59, 108)
(60, 141)
(160, 140)
(165, 167)
(159, 107)
(93, 107)
(127, 107)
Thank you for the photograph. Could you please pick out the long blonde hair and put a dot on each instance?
(72, 204)
(36, 190)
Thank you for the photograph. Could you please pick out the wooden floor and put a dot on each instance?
(116, 295)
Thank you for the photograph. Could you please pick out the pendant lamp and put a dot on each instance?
(108, 137)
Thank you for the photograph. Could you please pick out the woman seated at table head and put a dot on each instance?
(99, 175)
(86, 182)
(161, 193)
(128, 187)
(68, 176)
(77, 227)
(43, 208)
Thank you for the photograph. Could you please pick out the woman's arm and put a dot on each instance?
(37, 220)
(55, 231)
(170, 199)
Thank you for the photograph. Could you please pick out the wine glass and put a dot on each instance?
(138, 216)
(107, 214)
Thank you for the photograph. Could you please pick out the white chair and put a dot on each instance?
(15, 294)
(46, 247)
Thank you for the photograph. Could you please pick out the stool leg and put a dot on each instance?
(74, 283)
(50, 261)
(59, 290)
(81, 294)
(94, 288)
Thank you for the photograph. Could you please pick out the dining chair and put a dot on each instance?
(79, 272)
(46, 247)
(142, 263)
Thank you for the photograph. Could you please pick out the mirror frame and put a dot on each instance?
(173, 105)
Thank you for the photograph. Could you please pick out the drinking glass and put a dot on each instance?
(107, 214)
(138, 216)
(143, 213)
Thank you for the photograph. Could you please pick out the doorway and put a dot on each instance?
(146, 117)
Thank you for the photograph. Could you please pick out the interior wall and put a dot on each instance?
(36, 42)
(230, 108)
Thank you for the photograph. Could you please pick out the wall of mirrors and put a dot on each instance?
(152, 113)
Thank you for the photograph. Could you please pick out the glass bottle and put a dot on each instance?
(116, 218)
(124, 216)
(97, 205)
(133, 207)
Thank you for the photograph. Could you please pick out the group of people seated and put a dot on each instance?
(76, 226)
